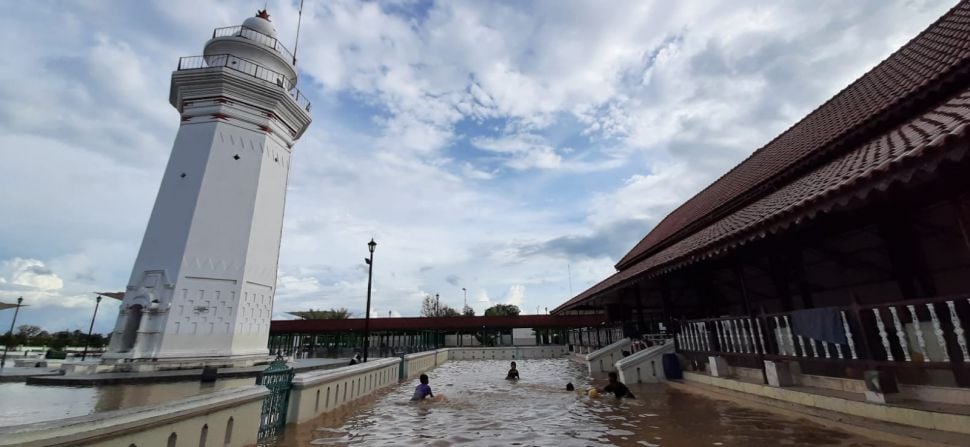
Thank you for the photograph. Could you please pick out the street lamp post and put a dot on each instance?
(370, 275)
(87, 341)
(6, 346)
(437, 305)
(465, 291)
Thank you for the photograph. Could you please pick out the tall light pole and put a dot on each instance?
(87, 341)
(6, 346)
(465, 291)
(437, 305)
(370, 275)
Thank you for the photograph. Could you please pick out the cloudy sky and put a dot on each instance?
(515, 149)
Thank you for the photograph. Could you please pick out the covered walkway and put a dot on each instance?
(862, 209)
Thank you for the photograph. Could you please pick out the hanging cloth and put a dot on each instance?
(823, 324)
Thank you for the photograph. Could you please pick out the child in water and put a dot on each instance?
(513, 373)
(423, 390)
(617, 388)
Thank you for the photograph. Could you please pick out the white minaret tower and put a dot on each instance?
(203, 284)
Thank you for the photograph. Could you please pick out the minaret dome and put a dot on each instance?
(254, 41)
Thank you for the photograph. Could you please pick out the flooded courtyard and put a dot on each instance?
(476, 406)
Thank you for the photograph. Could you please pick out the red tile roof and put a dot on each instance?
(868, 102)
(868, 136)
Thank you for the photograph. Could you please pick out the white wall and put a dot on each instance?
(152, 426)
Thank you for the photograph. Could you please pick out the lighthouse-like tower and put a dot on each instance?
(203, 284)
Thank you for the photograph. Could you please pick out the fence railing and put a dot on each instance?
(927, 332)
(247, 67)
(255, 36)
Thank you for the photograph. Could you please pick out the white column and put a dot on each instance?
(848, 336)
(791, 341)
(900, 334)
(883, 335)
(920, 341)
(958, 330)
(938, 331)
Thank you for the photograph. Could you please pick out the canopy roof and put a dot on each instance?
(7, 306)
(903, 115)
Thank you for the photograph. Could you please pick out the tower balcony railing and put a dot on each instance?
(255, 36)
(247, 67)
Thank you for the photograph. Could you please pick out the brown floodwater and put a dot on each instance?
(477, 407)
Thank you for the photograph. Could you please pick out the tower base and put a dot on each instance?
(174, 364)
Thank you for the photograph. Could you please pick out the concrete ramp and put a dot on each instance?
(645, 366)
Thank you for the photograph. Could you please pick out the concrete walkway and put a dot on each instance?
(919, 424)
(20, 374)
(301, 365)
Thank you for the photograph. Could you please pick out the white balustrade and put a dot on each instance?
(958, 330)
(938, 331)
(791, 340)
(848, 336)
(825, 348)
(900, 334)
(801, 345)
(717, 334)
(696, 337)
(920, 341)
(763, 350)
(838, 349)
(883, 335)
(743, 333)
(706, 336)
(814, 344)
(779, 338)
(734, 336)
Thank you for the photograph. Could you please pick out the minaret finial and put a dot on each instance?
(263, 15)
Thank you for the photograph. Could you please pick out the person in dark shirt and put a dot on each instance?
(423, 390)
(617, 388)
(513, 373)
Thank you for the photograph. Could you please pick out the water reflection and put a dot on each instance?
(480, 408)
(21, 403)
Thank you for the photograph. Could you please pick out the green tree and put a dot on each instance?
(332, 314)
(502, 310)
(468, 311)
(432, 307)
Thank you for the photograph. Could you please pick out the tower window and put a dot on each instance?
(235, 157)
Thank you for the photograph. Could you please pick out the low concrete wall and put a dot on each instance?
(508, 353)
(225, 418)
(417, 363)
(318, 392)
(959, 423)
(601, 361)
(645, 365)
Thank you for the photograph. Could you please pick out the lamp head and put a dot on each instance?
(371, 245)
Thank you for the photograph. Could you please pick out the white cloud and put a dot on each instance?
(456, 137)
(30, 273)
